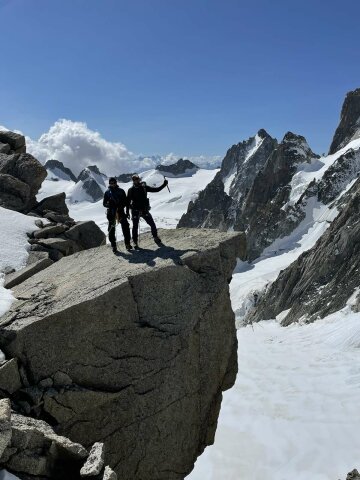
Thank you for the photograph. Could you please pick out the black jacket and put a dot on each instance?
(115, 199)
(137, 195)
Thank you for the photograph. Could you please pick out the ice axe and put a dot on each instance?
(167, 184)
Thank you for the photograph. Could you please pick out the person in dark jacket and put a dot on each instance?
(140, 206)
(115, 201)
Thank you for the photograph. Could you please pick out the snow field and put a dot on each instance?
(14, 248)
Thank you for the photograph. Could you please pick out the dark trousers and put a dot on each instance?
(136, 214)
(124, 227)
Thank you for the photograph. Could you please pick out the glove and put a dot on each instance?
(165, 182)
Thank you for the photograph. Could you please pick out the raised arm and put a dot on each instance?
(156, 189)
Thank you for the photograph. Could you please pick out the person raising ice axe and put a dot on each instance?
(139, 204)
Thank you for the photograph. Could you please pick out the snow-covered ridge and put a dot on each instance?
(307, 172)
(252, 147)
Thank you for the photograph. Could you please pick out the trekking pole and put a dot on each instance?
(167, 184)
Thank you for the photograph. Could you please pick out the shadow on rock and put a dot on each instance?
(148, 256)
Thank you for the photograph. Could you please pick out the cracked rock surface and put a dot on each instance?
(143, 342)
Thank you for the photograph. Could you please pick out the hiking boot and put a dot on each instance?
(114, 248)
(128, 247)
(136, 246)
(157, 240)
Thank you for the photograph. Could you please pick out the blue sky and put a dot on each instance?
(191, 77)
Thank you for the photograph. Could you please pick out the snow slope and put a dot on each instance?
(293, 412)
(14, 248)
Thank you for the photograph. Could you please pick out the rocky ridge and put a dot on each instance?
(182, 168)
(219, 204)
(106, 352)
(252, 191)
(322, 279)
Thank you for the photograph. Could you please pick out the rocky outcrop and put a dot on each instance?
(322, 279)
(54, 203)
(57, 170)
(36, 450)
(32, 450)
(109, 353)
(21, 175)
(349, 126)
(182, 168)
(12, 142)
(353, 475)
(219, 205)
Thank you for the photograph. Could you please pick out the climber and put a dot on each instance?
(115, 201)
(140, 206)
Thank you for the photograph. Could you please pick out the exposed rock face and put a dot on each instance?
(5, 425)
(35, 449)
(182, 168)
(345, 169)
(219, 204)
(142, 366)
(54, 203)
(58, 170)
(14, 141)
(349, 126)
(252, 191)
(21, 175)
(266, 211)
(322, 279)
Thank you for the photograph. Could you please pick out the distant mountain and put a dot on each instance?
(57, 170)
(182, 168)
(90, 186)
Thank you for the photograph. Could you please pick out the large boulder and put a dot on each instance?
(141, 347)
(27, 169)
(54, 203)
(15, 141)
(14, 194)
(86, 234)
(35, 449)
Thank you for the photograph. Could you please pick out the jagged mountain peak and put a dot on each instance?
(298, 146)
(90, 169)
(349, 126)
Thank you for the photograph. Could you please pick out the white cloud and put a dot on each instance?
(77, 146)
